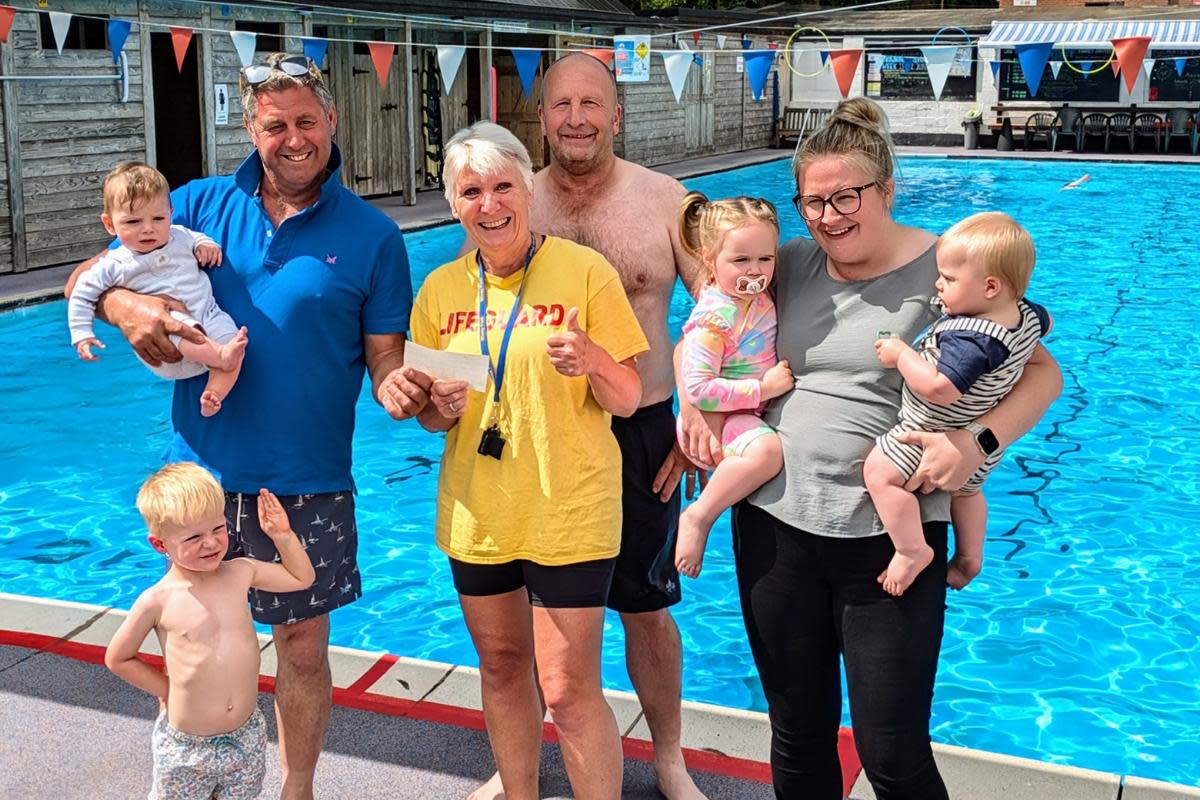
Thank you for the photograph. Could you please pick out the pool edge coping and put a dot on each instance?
(717, 739)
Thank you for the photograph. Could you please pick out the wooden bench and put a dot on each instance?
(791, 125)
(800, 121)
(1008, 119)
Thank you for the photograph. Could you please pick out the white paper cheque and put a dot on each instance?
(448, 366)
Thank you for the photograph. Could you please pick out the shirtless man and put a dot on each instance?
(628, 213)
(209, 696)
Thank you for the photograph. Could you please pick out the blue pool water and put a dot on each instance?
(1077, 644)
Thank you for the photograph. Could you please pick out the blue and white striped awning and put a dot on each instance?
(1162, 33)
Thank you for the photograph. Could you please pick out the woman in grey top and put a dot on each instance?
(808, 544)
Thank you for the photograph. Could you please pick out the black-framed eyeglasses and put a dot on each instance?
(844, 201)
(291, 65)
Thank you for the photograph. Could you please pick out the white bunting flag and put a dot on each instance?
(1055, 66)
(1148, 65)
(938, 60)
(450, 58)
(677, 64)
(244, 42)
(60, 21)
(721, 41)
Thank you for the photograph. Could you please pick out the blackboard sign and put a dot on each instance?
(901, 75)
(1166, 84)
(1102, 86)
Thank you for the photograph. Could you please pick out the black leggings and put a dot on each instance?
(805, 600)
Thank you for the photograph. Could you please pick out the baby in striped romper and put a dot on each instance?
(961, 367)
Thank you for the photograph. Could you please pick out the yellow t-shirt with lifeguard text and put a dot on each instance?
(554, 497)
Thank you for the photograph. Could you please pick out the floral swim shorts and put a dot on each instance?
(229, 766)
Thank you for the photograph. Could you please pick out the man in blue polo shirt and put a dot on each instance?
(320, 278)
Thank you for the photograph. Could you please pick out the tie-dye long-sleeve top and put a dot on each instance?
(727, 346)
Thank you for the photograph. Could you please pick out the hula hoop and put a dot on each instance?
(788, 52)
(1067, 61)
(940, 31)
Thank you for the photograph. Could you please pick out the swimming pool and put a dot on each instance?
(1077, 644)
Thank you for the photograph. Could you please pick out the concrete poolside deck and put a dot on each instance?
(401, 728)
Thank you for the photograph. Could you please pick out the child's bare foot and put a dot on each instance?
(233, 351)
(689, 547)
(210, 403)
(492, 790)
(962, 569)
(904, 569)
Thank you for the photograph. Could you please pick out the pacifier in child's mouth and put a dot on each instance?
(747, 285)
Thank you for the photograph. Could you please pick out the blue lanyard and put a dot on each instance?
(496, 373)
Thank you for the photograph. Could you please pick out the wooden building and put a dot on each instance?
(69, 117)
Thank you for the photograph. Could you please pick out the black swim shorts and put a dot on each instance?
(325, 525)
(645, 578)
(581, 585)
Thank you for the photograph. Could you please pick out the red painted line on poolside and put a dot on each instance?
(355, 697)
(368, 678)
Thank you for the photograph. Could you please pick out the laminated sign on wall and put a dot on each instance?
(631, 58)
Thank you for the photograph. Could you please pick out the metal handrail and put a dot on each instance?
(122, 76)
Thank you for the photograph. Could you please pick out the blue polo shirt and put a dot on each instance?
(307, 292)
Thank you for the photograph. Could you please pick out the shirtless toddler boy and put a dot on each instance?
(210, 737)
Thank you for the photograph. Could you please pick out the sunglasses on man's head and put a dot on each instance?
(292, 65)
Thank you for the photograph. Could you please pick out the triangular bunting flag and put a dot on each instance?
(605, 54)
(60, 21)
(938, 61)
(1131, 50)
(1148, 66)
(315, 49)
(758, 65)
(824, 57)
(180, 39)
(118, 32)
(695, 37)
(677, 65)
(1033, 58)
(1086, 68)
(527, 67)
(845, 66)
(721, 39)
(1115, 65)
(6, 20)
(1180, 63)
(450, 58)
(381, 60)
(243, 42)
(995, 65)
(1055, 66)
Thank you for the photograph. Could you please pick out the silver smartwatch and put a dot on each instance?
(984, 438)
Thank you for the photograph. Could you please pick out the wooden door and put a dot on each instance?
(516, 112)
(699, 121)
(369, 116)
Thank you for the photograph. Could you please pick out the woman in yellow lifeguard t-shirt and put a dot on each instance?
(529, 493)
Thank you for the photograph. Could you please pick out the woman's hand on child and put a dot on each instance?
(571, 350)
(208, 255)
(889, 349)
(84, 348)
(947, 459)
(778, 381)
(271, 517)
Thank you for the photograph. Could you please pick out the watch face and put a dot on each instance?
(987, 441)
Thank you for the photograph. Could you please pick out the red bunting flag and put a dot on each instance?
(6, 20)
(845, 67)
(180, 39)
(381, 59)
(1116, 65)
(604, 54)
(1131, 50)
